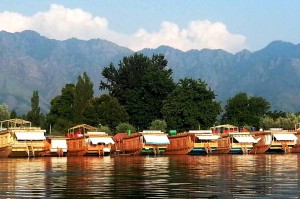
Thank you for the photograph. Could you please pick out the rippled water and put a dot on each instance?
(218, 176)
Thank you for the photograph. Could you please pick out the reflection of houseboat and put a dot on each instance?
(204, 141)
(275, 139)
(233, 140)
(19, 139)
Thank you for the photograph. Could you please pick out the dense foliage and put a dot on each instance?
(242, 110)
(140, 84)
(34, 115)
(191, 106)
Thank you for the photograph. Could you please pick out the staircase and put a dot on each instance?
(30, 151)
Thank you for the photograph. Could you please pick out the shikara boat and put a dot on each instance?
(20, 139)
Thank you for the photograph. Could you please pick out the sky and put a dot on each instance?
(231, 25)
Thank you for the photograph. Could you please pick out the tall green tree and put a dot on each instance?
(105, 111)
(243, 110)
(34, 115)
(190, 106)
(83, 93)
(140, 84)
(61, 113)
(4, 112)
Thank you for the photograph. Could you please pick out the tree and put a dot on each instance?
(83, 92)
(140, 84)
(106, 111)
(13, 114)
(61, 115)
(190, 106)
(242, 110)
(4, 113)
(125, 127)
(158, 125)
(34, 114)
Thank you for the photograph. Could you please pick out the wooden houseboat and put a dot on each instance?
(296, 147)
(205, 142)
(20, 139)
(56, 146)
(233, 139)
(180, 143)
(76, 142)
(99, 143)
(275, 140)
(127, 143)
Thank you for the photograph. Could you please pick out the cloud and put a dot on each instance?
(63, 23)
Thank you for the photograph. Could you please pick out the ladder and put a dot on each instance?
(30, 151)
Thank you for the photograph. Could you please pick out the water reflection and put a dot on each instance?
(219, 176)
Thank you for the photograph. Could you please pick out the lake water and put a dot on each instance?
(216, 176)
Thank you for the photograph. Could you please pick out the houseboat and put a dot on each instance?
(296, 147)
(276, 140)
(20, 139)
(205, 142)
(76, 142)
(233, 139)
(180, 143)
(127, 143)
(56, 146)
(99, 143)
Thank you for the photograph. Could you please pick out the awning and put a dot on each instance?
(156, 139)
(245, 139)
(208, 137)
(287, 136)
(30, 135)
(105, 140)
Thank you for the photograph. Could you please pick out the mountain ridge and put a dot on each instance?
(29, 62)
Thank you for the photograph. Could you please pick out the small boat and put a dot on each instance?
(20, 139)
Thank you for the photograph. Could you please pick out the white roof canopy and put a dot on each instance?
(61, 144)
(157, 139)
(245, 139)
(30, 135)
(287, 136)
(208, 137)
(105, 140)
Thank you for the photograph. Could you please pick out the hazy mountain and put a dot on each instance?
(31, 62)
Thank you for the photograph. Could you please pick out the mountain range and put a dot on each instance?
(30, 62)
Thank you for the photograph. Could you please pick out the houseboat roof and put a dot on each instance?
(82, 126)
(15, 122)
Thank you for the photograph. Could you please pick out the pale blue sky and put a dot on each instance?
(248, 24)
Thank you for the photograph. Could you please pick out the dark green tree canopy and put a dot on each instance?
(242, 110)
(34, 114)
(190, 106)
(105, 111)
(83, 92)
(140, 84)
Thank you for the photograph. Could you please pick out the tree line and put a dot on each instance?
(141, 94)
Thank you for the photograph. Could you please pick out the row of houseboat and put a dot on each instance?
(19, 139)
